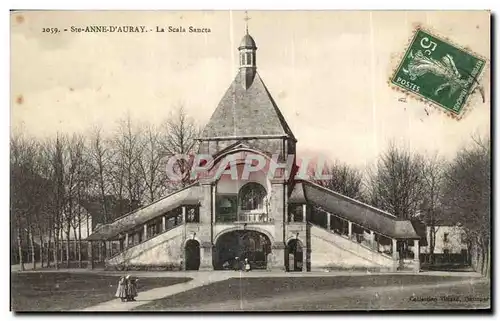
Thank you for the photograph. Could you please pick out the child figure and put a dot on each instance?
(247, 265)
(121, 291)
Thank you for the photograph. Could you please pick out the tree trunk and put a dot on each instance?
(77, 247)
(56, 259)
(48, 248)
(32, 246)
(68, 247)
(42, 247)
(432, 244)
(79, 244)
(61, 250)
(486, 257)
(20, 248)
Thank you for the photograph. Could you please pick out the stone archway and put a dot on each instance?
(295, 258)
(233, 247)
(192, 255)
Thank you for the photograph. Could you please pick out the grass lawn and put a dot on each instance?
(65, 291)
(304, 293)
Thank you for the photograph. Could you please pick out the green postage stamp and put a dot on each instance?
(438, 71)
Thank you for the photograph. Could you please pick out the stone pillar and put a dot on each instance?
(126, 240)
(328, 218)
(372, 240)
(145, 232)
(278, 254)
(90, 256)
(416, 251)
(206, 257)
(394, 255)
(99, 251)
(213, 204)
(104, 250)
(163, 223)
(277, 207)
(184, 218)
(350, 229)
(206, 204)
(109, 246)
(306, 256)
(304, 213)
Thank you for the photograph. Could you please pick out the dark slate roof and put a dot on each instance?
(358, 212)
(187, 196)
(247, 42)
(246, 112)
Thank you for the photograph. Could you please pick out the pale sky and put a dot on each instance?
(328, 72)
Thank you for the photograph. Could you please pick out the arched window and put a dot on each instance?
(252, 196)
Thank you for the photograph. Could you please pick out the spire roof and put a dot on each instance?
(247, 112)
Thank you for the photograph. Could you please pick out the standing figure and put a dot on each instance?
(131, 288)
(247, 265)
(121, 291)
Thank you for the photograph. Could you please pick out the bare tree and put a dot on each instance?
(432, 179)
(127, 150)
(152, 163)
(179, 138)
(55, 152)
(345, 180)
(467, 197)
(396, 185)
(19, 157)
(29, 194)
(99, 153)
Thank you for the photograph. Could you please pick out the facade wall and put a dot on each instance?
(447, 238)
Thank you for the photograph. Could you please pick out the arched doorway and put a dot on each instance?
(295, 256)
(233, 247)
(192, 255)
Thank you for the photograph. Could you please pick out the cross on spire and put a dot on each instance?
(246, 20)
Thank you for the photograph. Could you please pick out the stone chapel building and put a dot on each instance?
(277, 223)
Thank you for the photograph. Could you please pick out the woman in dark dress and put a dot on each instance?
(131, 288)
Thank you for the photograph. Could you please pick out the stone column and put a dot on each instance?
(206, 257)
(145, 232)
(372, 240)
(305, 256)
(213, 204)
(206, 204)
(126, 240)
(99, 251)
(277, 208)
(278, 254)
(109, 246)
(304, 213)
(90, 256)
(416, 260)
(328, 218)
(184, 219)
(163, 223)
(349, 225)
(394, 255)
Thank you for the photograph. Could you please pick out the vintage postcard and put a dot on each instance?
(250, 160)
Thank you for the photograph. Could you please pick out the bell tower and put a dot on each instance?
(248, 63)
